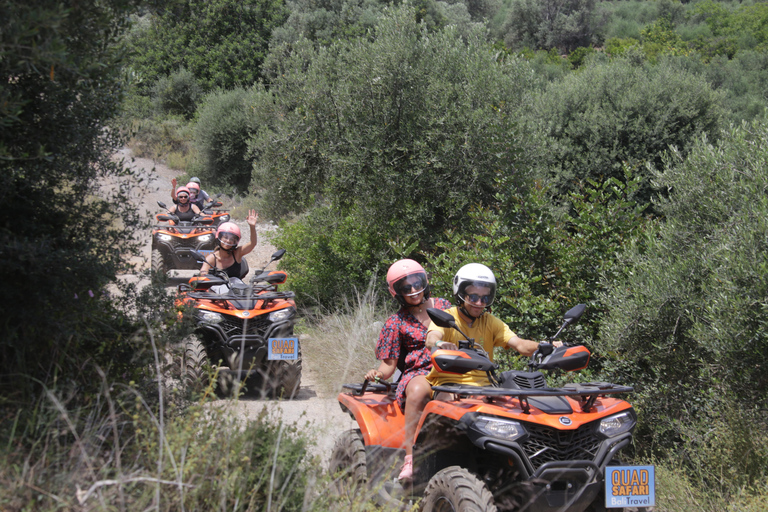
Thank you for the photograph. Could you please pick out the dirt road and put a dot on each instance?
(317, 416)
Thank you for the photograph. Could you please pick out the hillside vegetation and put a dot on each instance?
(610, 153)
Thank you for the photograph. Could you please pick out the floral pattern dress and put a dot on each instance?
(403, 332)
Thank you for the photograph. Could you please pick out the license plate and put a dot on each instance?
(630, 486)
(283, 348)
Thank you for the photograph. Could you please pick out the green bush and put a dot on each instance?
(398, 133)
(565, 25)
(221, 42)
(687, 323)
(177, 94)
(620, 113)
(225, 122)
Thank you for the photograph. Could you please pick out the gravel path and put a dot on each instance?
(319, 417)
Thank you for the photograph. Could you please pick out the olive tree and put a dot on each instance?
(687, 324)
(404, 129)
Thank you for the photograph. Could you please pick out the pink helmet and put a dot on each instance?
(182, 189)
(396, 280)
(192, 185)
(230, 228)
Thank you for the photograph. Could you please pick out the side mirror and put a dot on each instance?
(278, 254)
(162, 205)
(198, 257)
(574, 313)
(441, 318)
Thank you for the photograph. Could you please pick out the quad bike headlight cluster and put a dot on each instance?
(209, 317)
(224, 218)
(617, 424)
(500, 428)
(165, 238)
(281, 315)
(205, 238)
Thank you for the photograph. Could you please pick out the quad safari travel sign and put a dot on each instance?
(283, 348)
(630, 486)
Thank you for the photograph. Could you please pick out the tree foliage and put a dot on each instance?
(221, 42)
(687, 309)
(405, 129)
(224, 125)
(562, 24)
(620, 113)
(59, 242)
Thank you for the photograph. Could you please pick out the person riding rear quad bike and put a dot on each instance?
(174, 243)
(515, 444)
(243, 332)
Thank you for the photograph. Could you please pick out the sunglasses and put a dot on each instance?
(183, 196)
(478, 299)
(412, 288)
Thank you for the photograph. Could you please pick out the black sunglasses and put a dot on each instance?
(183, 196)
(478, 299)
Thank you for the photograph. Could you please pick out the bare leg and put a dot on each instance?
(418, 393)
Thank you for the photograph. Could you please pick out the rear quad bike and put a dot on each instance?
(174, 244)
(515, 445)
(213, 210)
(244, 333)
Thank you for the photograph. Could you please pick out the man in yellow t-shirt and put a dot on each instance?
(474, 287)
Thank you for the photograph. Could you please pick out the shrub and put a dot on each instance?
(687, 321)
(177, 94)
(620, 113)
(224, 126)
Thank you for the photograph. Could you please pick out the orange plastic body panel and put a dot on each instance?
(383, 424)
(379, 417)
(224, 306)
(507, 407)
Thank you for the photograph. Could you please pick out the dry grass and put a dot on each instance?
(342, 346)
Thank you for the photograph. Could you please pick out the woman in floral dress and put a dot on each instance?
(402, 341)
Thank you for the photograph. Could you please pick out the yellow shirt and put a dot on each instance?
(487, 331)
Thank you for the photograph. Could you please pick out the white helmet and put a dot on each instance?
(474, 274)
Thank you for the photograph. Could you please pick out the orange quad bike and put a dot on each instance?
(175, 243)
(514, 445)
(213, 209)
(243, 333)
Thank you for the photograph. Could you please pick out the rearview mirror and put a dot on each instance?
(441, 318)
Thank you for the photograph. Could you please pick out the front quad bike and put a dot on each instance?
(515, 445)
(174, 244)
(243, 331)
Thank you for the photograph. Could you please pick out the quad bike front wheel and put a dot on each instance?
(454, 489)
(194, 359)
(158, 263)
(348, 467)
(283, 378)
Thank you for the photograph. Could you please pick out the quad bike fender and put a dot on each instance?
(510, 408)
(378, 416)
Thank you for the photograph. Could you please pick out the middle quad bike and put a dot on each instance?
(243, 331)
(514, 445)
(174, 244)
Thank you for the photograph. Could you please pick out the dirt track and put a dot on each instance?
(317, 416)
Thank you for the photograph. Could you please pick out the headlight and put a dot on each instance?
(209, 317)
(165, 238)
(279, 316)
(205, 238)
(224, 218)
(499, 427)
(617, 424)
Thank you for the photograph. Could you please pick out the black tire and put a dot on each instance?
(454, 489)
(348, 467)
(194, 361)
(158, 263)
(284, 378)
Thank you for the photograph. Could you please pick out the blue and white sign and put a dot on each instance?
(283, 348)
(630, 486)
